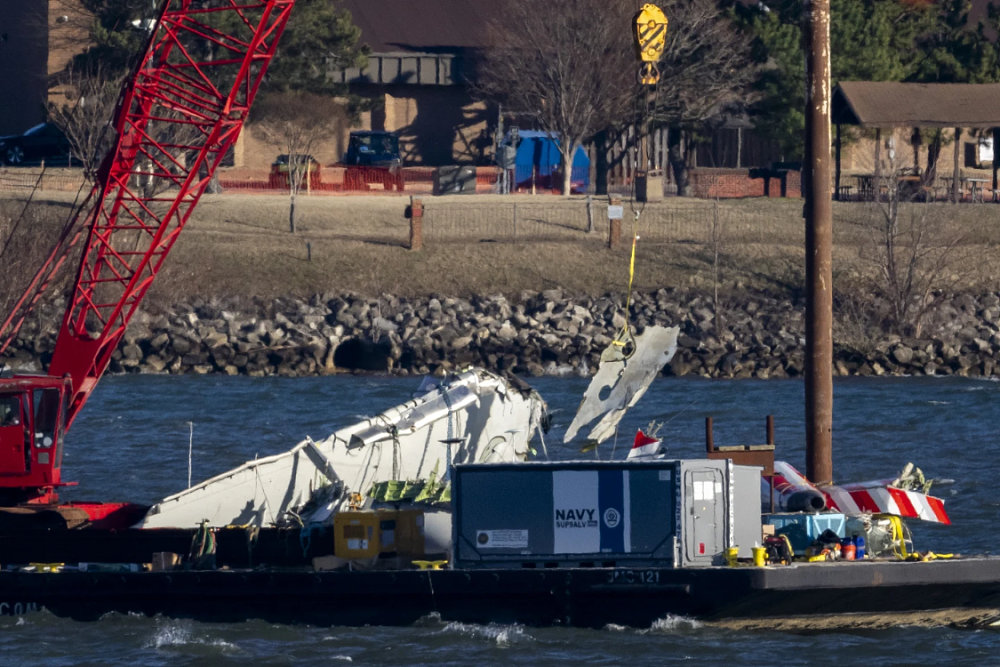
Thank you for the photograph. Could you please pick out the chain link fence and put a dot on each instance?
(672, 221)
(544, 219)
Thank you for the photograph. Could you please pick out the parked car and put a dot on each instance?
(281, 162)
(42, 142)
(280, 167)
(373, 149)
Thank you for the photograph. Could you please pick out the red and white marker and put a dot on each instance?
(644, 446)
(887, 500)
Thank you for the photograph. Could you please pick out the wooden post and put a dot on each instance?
(739, 147)
(877, 181)
(590, 213)
(836, 193)
(956, 182)
(614, 224)
(819, 247)
(709, 439)
(996, 163)
(633, 159)
(416, 224)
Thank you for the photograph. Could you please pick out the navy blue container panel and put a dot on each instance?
(573, 511)
(501, 501)
(652, 507)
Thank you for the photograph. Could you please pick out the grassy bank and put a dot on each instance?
(239, 245)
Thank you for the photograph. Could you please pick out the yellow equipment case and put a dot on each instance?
(380, 533)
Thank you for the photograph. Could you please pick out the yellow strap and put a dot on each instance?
(897, 530)
(430, 564)
(628, 297)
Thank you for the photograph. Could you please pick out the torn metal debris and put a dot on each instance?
(402, 455)
(627, 368)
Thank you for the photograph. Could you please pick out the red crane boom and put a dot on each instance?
(177, 117)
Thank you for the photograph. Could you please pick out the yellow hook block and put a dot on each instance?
(650, 33)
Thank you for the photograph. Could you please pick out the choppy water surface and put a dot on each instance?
(131, 443)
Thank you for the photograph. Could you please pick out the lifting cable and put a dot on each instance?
(650, 38)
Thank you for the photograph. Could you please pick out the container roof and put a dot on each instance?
(895, 104)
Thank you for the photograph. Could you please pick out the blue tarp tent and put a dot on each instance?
(540, 153)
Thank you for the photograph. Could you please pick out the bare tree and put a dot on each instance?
(571, 67)
(28, 231)
(86, 118)
(298, 122)
(717, 241)
(706, 70)
(917, 254)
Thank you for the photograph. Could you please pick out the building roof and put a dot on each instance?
(894, 104)
(426, 26)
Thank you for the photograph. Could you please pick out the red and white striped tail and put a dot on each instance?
(886, 500)
(877, 496)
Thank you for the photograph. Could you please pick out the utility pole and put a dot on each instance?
(819, 246)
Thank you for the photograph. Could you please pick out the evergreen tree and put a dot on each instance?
(954, 51)
(871, 40)
(318, 38)
(118, 34)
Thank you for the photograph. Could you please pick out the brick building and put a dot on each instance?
(420, 73)
(23, 66)
(37, 40)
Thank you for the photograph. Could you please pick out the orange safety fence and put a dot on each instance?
(350, 180)
(244, 180)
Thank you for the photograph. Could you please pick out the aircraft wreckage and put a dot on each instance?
(401, 456)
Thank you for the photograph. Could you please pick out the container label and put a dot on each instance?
(502, 539)
(664, 475)
(590, 512)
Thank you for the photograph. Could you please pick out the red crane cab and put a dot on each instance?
(33, 414)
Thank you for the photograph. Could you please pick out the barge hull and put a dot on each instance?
(583, 597)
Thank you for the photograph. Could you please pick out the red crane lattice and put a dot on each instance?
(176, 119)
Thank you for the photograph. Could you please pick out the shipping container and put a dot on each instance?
(667, 513)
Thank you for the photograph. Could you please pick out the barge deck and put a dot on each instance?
(583, 597)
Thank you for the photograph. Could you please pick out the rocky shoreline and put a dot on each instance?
(533, 334)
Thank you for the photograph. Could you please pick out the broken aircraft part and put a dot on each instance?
(794, 493)
(494, 419)
(622, 379)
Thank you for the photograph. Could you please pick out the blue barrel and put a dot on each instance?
(859, 547)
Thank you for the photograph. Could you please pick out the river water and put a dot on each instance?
(131, 443)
